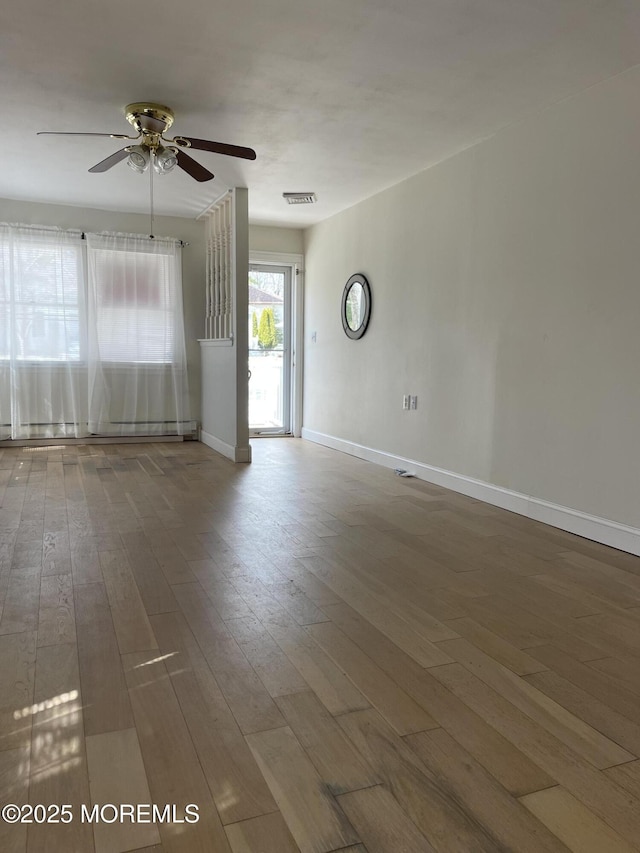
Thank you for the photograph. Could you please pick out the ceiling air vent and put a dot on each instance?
(299, 198)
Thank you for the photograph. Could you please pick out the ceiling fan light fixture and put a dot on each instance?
(164, 160)
(152, 148)
(138, 159)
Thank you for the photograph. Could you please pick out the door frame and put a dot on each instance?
(295, 263)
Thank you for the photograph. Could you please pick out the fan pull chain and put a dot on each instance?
(151, 171)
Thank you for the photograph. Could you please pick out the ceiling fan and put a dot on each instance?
(150, 146)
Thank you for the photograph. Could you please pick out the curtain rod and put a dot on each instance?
(83, 234)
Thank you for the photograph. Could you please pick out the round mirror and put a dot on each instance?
(356, 306)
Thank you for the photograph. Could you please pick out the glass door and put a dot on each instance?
(269, 349)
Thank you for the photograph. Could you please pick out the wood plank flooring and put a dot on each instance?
(317, 654)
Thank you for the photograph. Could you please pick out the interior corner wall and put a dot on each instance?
(193, 259)
(506, 296)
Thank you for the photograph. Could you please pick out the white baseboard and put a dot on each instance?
(236, 454)
(582, 524)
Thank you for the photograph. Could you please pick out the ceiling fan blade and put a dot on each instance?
(219, 147)
(64, 133)
(193, 168)
(110, 161)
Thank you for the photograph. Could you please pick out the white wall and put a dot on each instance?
(263, 238)
(506, 295)
(193, 259)
(219, 414)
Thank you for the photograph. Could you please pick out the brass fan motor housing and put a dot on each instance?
(136, 114)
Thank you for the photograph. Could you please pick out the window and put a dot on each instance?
(41, 290)
(91, 335)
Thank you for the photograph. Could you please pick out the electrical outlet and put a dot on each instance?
(413, 403)
(405, 402)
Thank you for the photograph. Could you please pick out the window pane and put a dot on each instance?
(46, 332)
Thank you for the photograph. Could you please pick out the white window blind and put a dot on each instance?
(135, 305)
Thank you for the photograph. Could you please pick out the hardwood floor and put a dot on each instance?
(317, 654)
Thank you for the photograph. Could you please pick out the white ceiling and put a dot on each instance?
(341, 97)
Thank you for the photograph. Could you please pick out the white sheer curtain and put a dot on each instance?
(42, 342)
(91, 335)
(137, 369)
